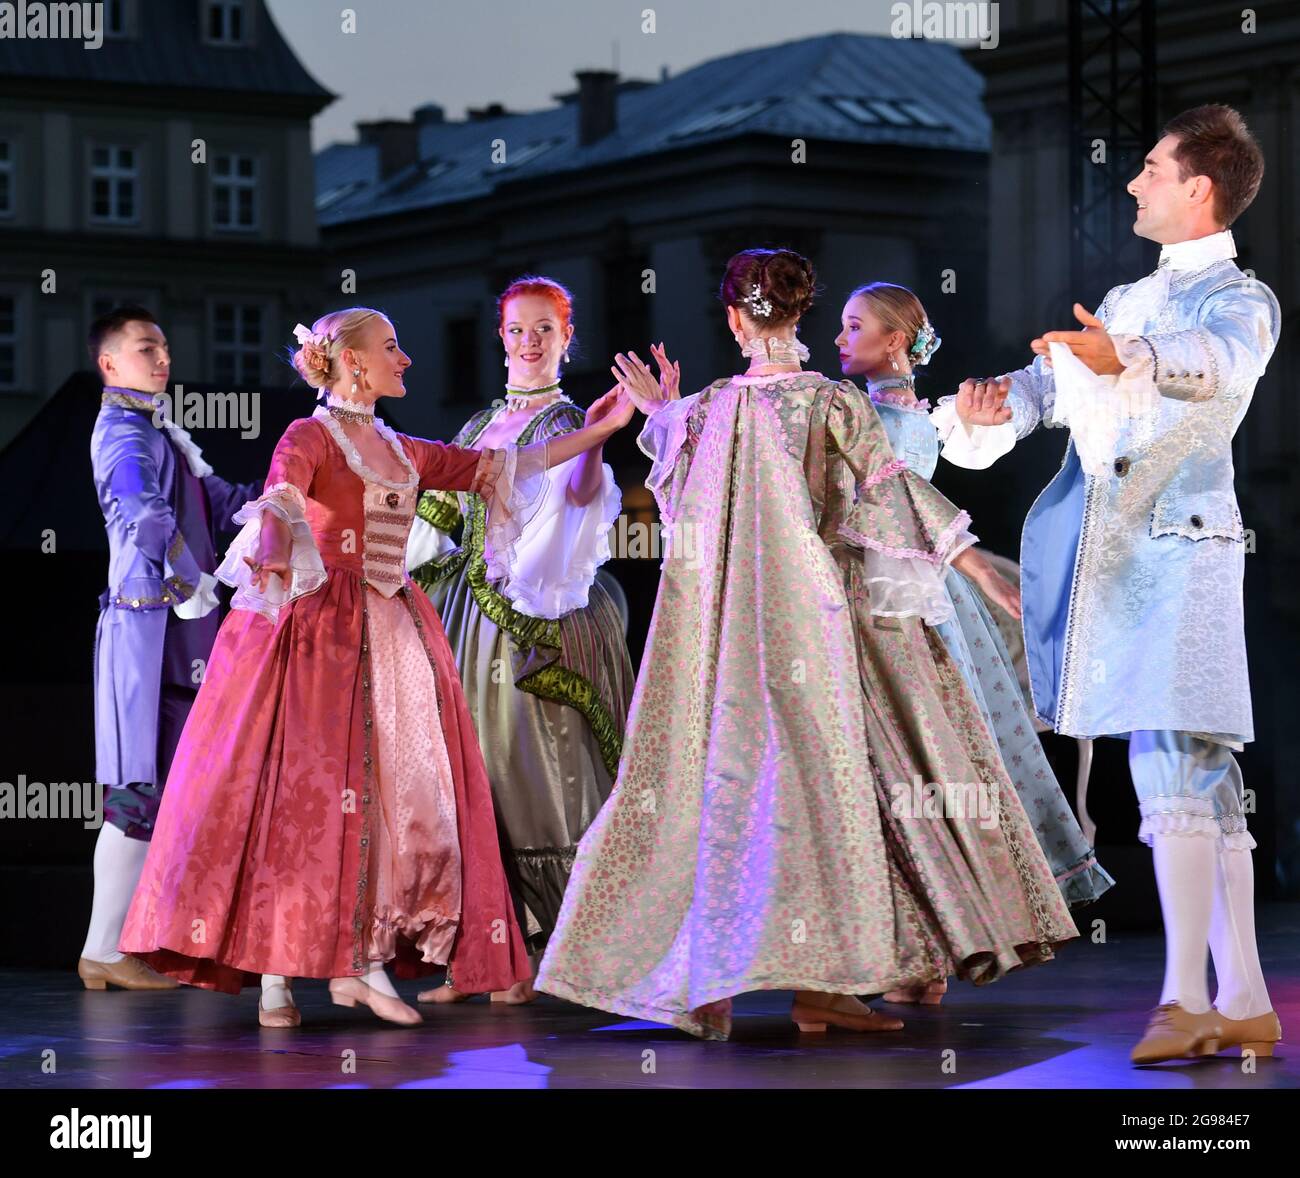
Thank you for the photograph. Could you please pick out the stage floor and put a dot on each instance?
(1068, 1024)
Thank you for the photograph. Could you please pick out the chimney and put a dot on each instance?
(429, 113)
(597, 105)
(398, 143)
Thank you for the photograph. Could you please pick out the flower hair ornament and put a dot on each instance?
(759, 307)
(927, 343)
(315, 347)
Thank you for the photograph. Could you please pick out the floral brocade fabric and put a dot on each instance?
(763, 832)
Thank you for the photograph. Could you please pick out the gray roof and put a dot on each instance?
(842, 86)
(168, 51)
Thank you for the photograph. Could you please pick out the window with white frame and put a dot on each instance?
(6, 178)
(225, 21)
(114, 185)
(237, 335)
(8, 341)
(234, 191)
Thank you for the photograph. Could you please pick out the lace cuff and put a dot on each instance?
(306, 569)
(661, 440)
(1099, 409)
(203, 601)
(1194, 817)
(907, 582)
(972, 447)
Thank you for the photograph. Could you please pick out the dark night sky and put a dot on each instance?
(461, 53)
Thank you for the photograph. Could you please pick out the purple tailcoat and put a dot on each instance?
(162, 522)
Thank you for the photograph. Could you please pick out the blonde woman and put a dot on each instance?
(328, 810)
(884, 336)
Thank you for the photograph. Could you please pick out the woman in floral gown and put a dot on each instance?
(884, 334)
(327, 809)
(543, 660)
(774, 825)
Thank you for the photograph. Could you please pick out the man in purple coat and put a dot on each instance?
(157, 619)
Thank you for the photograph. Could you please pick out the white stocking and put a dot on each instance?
(376, 977)
(118, 864)
(1242, 993)
(1184, 865)
(275, 991)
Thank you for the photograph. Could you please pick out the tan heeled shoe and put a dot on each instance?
(278, 1016)
(1258, 1034)
(128, 974)
(1174, 1033)
(813, 1015)
(442, 994)
(350, 991)
(930, 994)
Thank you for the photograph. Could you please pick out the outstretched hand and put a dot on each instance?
(1093, 345)
(612, 411)
(264, 567)
(982, 401)
(639, 382)
(670, 373)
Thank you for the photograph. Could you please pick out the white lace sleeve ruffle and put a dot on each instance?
(306, 569)
(661, 440)
(202, 602)
(1100, 410)
(972, 447)
(549, 567)
(905, 584)
(513, 482)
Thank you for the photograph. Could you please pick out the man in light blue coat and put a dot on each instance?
(1133, 557)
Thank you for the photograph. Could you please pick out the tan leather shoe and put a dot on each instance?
(1173, 1033)
(1257, 1034)
(278, 1016)
(814, 1012)
(128, 974)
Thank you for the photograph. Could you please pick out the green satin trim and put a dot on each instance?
(566, 686)
(553, 681)
(441, 509)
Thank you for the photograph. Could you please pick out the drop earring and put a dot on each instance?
(505, 361)
(893, 363)
(355, 372)
(566, 355)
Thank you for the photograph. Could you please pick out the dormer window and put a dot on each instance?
(225, 22)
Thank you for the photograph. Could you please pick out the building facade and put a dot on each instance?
(170, 167)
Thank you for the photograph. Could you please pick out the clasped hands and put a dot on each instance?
(981, 401)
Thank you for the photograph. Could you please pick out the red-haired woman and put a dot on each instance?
(538, 639)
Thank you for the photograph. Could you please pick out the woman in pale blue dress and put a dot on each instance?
(884, 334)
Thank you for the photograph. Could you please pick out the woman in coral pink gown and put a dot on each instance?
(328, 809)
